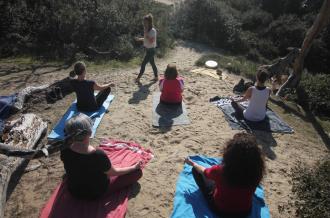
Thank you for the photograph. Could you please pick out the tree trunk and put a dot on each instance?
(319, 23)
(25, 132)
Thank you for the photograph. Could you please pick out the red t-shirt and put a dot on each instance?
(171, 90)
(229, 199)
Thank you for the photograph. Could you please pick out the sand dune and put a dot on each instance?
(130, 119)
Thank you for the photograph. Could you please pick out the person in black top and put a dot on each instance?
(89, 173)
(84, 89)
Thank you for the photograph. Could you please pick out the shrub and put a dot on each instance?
(314, 92)
(213, 22)
(312, 187)
(61, 28)
(256, 19)
(286, 31)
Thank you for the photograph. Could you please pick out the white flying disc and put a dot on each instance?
(211, 64)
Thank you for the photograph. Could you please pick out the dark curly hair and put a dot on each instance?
(243, 162)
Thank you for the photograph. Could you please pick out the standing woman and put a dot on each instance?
(149, 42)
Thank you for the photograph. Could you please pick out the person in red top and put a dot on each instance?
(171, 86)
(229, 187)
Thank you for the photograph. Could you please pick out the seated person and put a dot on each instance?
(84, 89)
(88, 170)
(258, 97)
(229, 187)
(171, 86)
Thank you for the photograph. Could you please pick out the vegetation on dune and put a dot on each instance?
(261, 30)
(313, 92)
(234, 64)
(61, 29)
(312, 187)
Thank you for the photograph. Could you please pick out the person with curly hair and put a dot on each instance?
(229, 186)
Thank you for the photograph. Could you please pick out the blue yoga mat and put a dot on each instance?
(189, 201)
(58, 132)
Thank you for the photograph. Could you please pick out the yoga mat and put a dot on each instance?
(58, 132)
(168, 115)
(189, 201)
(272, 122)
(111, 205)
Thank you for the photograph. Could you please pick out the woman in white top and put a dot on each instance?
(258, 97)
(149, 42)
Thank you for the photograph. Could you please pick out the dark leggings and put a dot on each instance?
(238, 109)
(207, 188)
(171, 103)
(149, 57)
(120, 182)
(102, 96)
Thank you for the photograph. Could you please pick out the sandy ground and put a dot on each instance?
(130, 119)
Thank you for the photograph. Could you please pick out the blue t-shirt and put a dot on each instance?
(84, 90)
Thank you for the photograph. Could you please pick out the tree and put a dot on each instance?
(320, 22)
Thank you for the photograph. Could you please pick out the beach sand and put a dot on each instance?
(130, 119)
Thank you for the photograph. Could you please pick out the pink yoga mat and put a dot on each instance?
(112, 205)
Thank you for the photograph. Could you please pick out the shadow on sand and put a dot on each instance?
(141, 94)
(308, 117)
(267, 141)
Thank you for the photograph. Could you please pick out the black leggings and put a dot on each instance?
(238, 110)
(149, 57)
(102, 96)
(207, 188)
(171, 103)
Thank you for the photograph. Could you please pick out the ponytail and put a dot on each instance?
(78, 69)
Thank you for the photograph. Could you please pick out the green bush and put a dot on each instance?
(61, 28)
(312, 187)
(256, 19)
(286, 31)
(314, 92)
(213, 22)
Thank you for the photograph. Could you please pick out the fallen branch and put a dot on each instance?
(44, 151)
(24, 133)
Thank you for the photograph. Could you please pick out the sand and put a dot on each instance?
(130, 119)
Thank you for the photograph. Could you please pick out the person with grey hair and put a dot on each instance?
(84, 89)
(89, 172)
